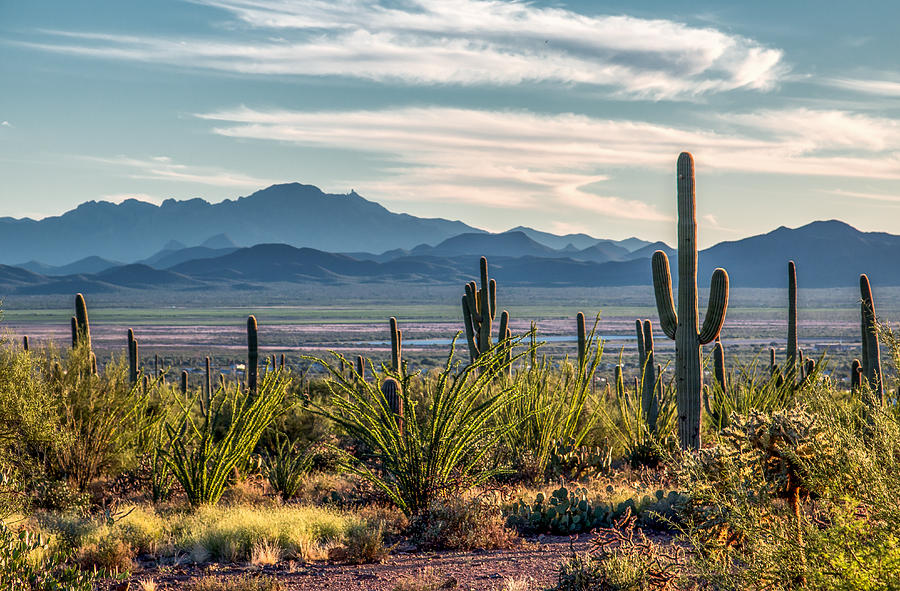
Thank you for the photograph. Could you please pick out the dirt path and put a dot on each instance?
(536, 560)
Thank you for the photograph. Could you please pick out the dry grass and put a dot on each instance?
(242, 583)
(265, 553)
(147, 584)
(426, 580)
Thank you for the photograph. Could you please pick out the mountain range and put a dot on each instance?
(350, 248)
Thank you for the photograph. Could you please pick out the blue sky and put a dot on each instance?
(561, 116)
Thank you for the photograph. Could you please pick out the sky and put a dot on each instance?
(562, 116)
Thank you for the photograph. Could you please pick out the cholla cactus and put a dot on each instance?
(683, 325)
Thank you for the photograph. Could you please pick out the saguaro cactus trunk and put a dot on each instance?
(683, 326)
(792, 342)
(132, 357)
(871, 352)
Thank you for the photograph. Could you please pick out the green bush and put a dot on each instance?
(439, 449)
(285, 465)
(28, 564)
(203, 451)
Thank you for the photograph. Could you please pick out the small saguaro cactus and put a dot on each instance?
(479, 307)
(582, 343)
(361, 367)
(82, 323)
(396, 345)
(649, 399)
(207, 387)
(719, 365)
(855, 374)
(252, 353)
(683, 325)
(132, 357)
(184, 381)
(393, 395)
(282, 361)
(25, 342)
(871, 352)
(146, 384)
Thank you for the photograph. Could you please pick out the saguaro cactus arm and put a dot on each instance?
(662, 287)
(716, 308)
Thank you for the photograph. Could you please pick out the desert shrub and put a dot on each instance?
(621, 558)
(110, 555)
(806, 497)
(750, 388)
(100, 417)
(204, 451)
(643, 443)
(554, 404)
(27, 563)
(439, 449)
(427, 579)
(284, 464)
(363, 544)
(459, 524)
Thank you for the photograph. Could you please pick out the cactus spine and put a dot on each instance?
(132, 357)
(393, 395)
(252, 353)
(871, 353)
(479, 307)
(682, 326)
(396, 346)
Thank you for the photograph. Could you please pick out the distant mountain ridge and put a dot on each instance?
(828, 254)
(295, 214)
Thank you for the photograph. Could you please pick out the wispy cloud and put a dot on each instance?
(5, 124)
(163, 168)
(866, 195)
(890, 88)
(526, 160)
(463, 42)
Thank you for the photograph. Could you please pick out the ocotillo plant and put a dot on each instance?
(683, 325)
(479, 307)
(252, 353)
(871, 353)
(396, 345)
(82, 323)
(392, 394)
(132, 357)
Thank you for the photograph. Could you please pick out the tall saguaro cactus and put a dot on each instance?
(479, 308)
(683, 326)
(871, 352)
(252, 353)
(396, 345)
(582, 338)
(792, 342)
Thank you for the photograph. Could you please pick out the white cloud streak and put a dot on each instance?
(463, 42)
(521, 159)
(163, 168)
(887, 88)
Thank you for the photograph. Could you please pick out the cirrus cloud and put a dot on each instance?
(461, 42)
